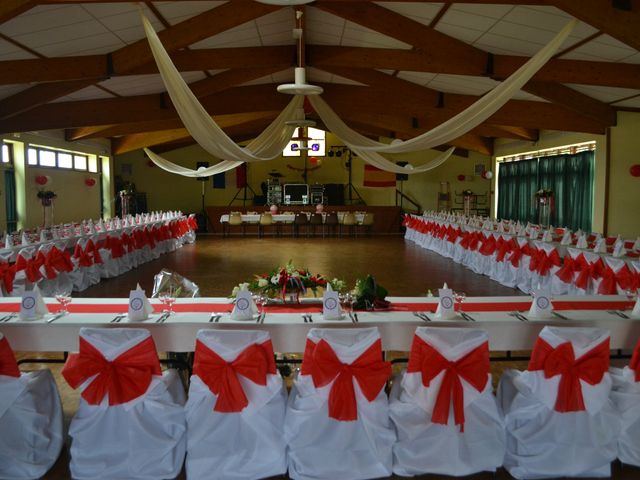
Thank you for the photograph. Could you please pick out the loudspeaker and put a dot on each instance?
(205, 165)
(334, 193)
(402, 177)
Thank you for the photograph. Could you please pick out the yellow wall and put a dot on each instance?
(553, 139)
(169, 191)
(624, 190)
(75, 201)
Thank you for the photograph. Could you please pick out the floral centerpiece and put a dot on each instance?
(543, 195)
(289, 281)
(46, 197)
(369, 295)
(467, 193)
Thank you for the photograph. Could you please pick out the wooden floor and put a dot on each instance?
(218, 264)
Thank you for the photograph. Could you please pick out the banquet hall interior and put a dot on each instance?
(181, 152)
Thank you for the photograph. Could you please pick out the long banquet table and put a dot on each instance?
(288, 330)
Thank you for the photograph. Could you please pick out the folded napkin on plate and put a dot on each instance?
(566, 237)
(8, 240)
(541, 306)
(139, 306)
(43, 236)
(331, 305)
(25, 239)
(635, 313)
(619, 250)
(244, 307)
(601, 246)
(32, 305)
(445, 308)
(582, 241)
(636, 245)
(547, 236)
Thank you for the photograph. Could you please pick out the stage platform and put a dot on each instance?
(387, 220)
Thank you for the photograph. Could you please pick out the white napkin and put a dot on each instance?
(512, 229)
(619, 250)
(500, 228)
(541, 306)
(582, 241)
(32, 305)
(25, 239)
(636, 245)
(566, 238)
(139, 306)
(547, 236)
(8, 240)
(244, 307)
(43, 236)
(601, 246)
(331, 305)
(91, 229)
(55, 235)
(635, 313)
(533, 233)
(445, 308)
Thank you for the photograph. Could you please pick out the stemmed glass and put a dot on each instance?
(63, 297)
(631, 294)
(261, 300)
(459, 297)
(167, 298)
(346, 300)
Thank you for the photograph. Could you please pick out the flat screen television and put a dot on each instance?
(296, 194)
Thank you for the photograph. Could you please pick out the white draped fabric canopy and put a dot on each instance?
(270, 143)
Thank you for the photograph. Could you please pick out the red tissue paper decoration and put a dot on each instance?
(90, 182)
(461, 177)
(42, 179)
(635, 170)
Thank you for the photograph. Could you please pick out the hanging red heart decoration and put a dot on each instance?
(41, 180)
(90, 182)
(635, 170)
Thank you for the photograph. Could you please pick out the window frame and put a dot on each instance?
(9, 148)
(39, 149)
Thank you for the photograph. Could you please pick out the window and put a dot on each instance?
(6, 155)
(46, 157)
(315, 145)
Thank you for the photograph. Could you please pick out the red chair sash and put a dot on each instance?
(608, 284)
(588, 271)
(8, 274)
(30, 267)
(92, 250)
(567, 270)
(125, 378)
(253, 363)
(473, 367)
(368, 369)
(517, 252)
(548, 260)
(474, 241)
(561, 360)
(44, 265)
(80, 254)
(488, 246)
(8, 364)
(635, 362)
(503, 248)
(60, 260)
(193, 223)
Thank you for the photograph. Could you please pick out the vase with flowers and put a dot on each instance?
(544, 202)
(46, 198)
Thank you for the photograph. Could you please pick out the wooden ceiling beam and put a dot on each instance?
(12, 8)
(127, 58)
(232, 124)
(573, 100)
(73, 134)
(95, 67)
(620, 24)
(608, 74)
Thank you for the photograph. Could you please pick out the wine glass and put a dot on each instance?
(167, 298)
(260, 300)
(62, 295)
(346, 300)
(631, 294)
(459, 297)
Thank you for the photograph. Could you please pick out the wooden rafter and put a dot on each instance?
(12, 8)
(137, 54)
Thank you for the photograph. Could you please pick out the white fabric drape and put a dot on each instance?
(476, 113)
(267, 146)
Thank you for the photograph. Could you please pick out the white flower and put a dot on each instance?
(235, 291)
(262, 282)
(275, 279)
(295, 274)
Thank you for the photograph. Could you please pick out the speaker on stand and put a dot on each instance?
(202, 216)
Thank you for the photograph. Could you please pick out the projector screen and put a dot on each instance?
(296, 194)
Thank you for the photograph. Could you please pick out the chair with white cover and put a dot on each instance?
(545, 262)
(55, 265)
(617, 277)
(130, 423)
(559, 417)
(236, 408)
(86, 272)
(337, 423)
(626, 397)
(443, 407)
(31, 422)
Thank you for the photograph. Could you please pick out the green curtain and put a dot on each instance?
(517, 183)
(10, 200)
(570, 177)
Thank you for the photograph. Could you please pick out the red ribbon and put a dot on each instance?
(473, 367)
(608, 284)
(254, 362)
(517, 252)
(567, 270)
(635, 362)
(547, 260)
(488, 246)
(92, 250)
(504, 247)
(30, 267)
(561, 360)
(60, 260)
(125, 378)
(8, 274)
(83, 257)
(8, 364)
(588, 271)
(43, 263)
(368, 369)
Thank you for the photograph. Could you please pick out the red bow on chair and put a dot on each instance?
(503, 247)
(588, 271)
(561, 360)
(567, 270)
(30, 267)
(254, 363)
(368, 369)
(8, 365)
(92, 250)
(44, 265)
(635, 362)
(80, 254)
(517, 252)
(473, 367)
(60, 260)
(193, 223)
(8, 274)
(125, 378)
(488, 246)
(547, 260)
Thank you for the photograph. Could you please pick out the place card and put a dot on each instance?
(541, 306)
(244, 307)
(331, 305)
(139, 306)
(445, 308)
(32, 305)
